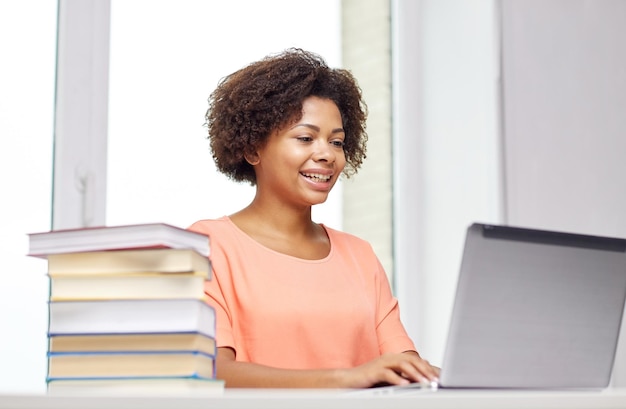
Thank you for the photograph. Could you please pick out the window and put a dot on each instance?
(164, 64)
(26, 124)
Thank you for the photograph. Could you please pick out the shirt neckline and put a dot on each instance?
(247, 237)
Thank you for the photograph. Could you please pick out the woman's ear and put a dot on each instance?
(252, 158)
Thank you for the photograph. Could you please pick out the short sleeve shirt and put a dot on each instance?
(283, 311)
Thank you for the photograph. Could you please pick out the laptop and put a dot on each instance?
(534, 309)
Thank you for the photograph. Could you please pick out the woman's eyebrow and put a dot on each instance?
(317, 128)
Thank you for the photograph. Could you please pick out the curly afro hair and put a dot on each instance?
(253, 102)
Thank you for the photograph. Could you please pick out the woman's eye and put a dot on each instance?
(338, 144)
(305, 138)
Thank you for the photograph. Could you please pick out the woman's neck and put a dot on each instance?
(286, 231)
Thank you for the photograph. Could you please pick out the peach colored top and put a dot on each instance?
(286, 312)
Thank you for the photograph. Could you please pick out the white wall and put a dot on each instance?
(447, 153)
(525, 129)
(564, 66)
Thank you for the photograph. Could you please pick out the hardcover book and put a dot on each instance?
(129, 286)
(125, 237)
(168, 386)
(174, 341)
(77, 365)
(129, 261)
(127, 310)
(131, 316)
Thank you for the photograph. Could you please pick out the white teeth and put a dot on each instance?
(317, 177)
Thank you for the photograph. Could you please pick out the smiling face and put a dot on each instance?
(301, 162)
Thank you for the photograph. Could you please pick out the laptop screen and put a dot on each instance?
(535, 309)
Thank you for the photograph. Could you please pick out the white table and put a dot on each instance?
(290, 399)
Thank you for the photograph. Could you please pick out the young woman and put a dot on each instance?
(298, 304)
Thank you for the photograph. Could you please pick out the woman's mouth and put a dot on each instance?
(316, 177)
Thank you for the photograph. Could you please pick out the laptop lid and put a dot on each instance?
(535, 309)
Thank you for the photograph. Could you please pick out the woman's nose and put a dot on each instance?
(323, 151)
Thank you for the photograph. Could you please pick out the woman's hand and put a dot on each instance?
(392, 369)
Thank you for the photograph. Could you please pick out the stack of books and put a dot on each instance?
(127, 310)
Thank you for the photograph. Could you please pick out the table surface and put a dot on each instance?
(329, 399)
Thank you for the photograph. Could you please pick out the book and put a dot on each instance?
(129, 261)
(124, 237)
(130, 286)
(182, 341)
(131, 316)
(69, 365)
(127, 310)
(169, 386)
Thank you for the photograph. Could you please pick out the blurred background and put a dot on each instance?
(497, 111)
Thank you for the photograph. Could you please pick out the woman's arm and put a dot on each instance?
(393, 369)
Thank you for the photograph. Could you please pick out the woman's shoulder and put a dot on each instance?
(358, 251)
(208, 226)
(342, 238)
